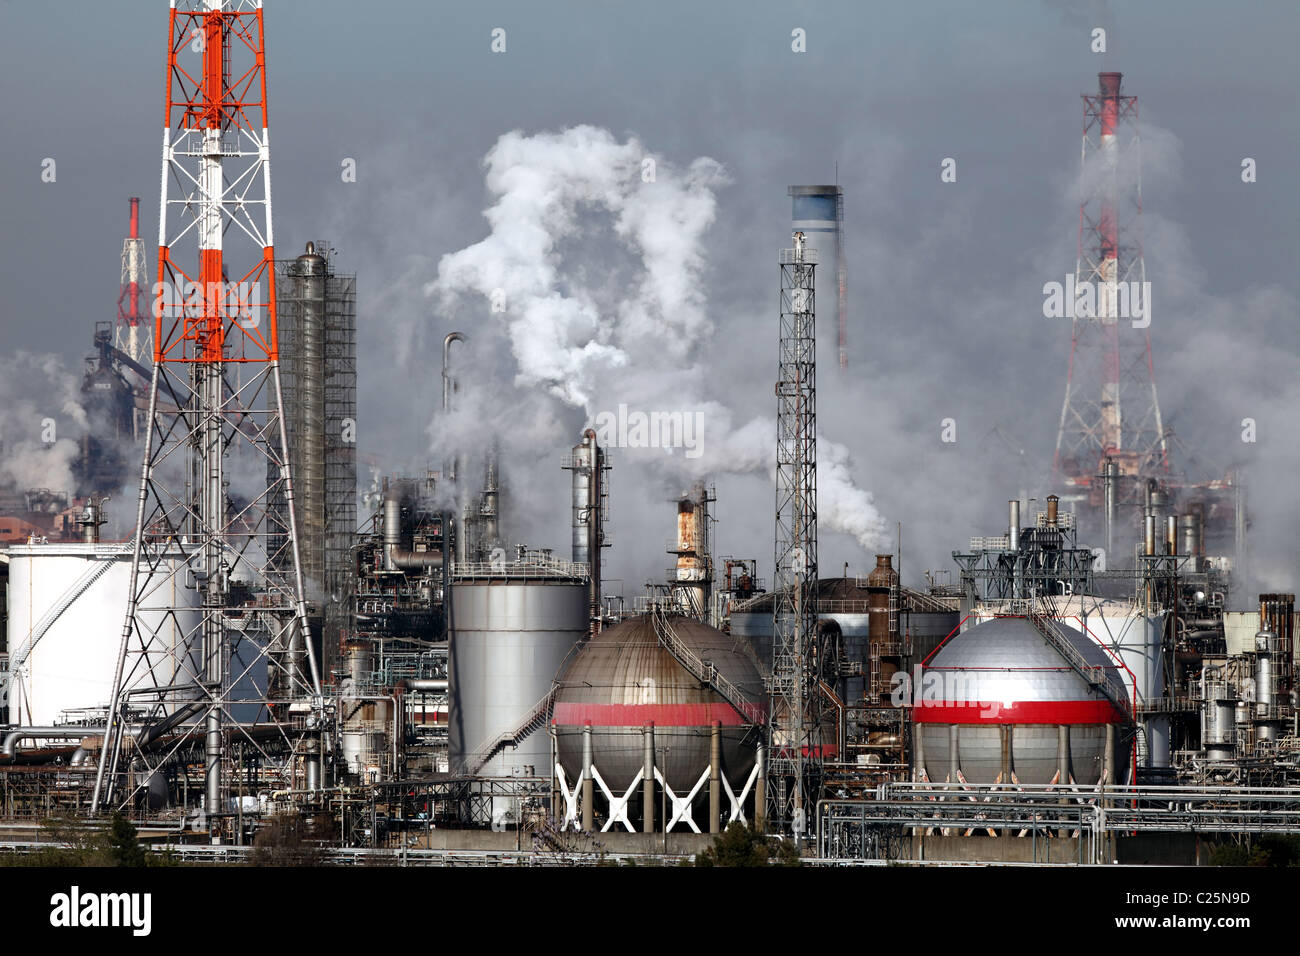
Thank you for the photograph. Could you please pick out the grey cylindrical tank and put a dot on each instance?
(856, 631)
(1218, 727)
(509, 638)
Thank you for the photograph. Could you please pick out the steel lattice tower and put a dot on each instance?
(1110, 403)
(795, 754)
(225, 606)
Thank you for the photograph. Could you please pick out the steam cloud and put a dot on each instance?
(595, 340)
(34, 388)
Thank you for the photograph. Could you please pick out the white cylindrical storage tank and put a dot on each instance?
(512, 627)
(70, 666)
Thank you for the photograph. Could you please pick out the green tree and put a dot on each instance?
(743, 845)
(124, 847)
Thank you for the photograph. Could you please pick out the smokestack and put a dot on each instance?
(1171, 534)
(587, 462)
(818, 212)
(1013, 524)
(449, 387)
(1149, 535)
(1053, 504)
(694, 569)
(1110, 482)
(489, 505)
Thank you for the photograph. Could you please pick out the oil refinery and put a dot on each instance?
(234, 622)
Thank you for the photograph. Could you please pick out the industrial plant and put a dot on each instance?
(273, 641)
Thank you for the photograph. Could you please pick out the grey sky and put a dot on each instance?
(945, 280)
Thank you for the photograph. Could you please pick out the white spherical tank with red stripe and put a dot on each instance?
(999, 704)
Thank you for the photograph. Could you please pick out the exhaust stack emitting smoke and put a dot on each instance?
(595, 265)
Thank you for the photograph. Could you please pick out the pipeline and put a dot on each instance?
(397, 558)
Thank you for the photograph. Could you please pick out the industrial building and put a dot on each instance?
(409, 674)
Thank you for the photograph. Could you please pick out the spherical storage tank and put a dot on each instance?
(623, 679)
(1001, 683)
(71, 665)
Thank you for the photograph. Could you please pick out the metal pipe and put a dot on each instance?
(1053, 504)
(448, 383)
(954, 762)
(427, 684)
(648, 780)
(1108, 756)
(141, 736)
(1063, 754)
(1005, 776)
(396, 558)
(1149, 535)
(1171, 534)
(588, 790)
(715, 777)
(1110, 476)
(918, 752)
(46, 733)
(760, 789)
(1013, 542)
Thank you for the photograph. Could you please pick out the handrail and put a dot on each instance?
(535, 718)
(705, 673)
(1100, 677)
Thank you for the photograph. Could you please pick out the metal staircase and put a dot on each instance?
(535, 720)
(703, 671)
(1102, 678)
(77, 588)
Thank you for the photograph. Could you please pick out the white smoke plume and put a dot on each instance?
(596, 268)
(41, 418)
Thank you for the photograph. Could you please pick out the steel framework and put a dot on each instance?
(1095, 815)
(217, 565)
(1110, 391)
(795, 753)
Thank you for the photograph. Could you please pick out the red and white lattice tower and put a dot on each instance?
(1110, 407)
(132, 332)
(215, 649)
